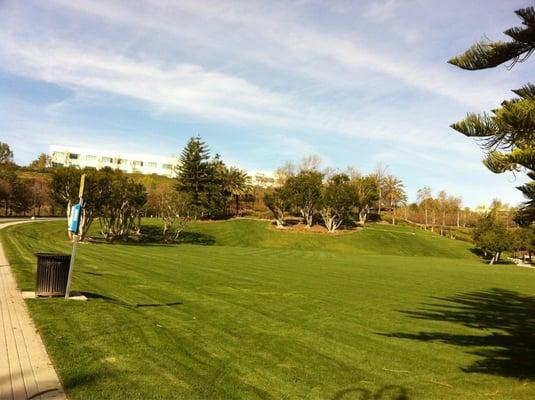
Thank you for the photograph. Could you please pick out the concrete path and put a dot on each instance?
(26, 371)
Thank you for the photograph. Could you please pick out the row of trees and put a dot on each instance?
(331, 197)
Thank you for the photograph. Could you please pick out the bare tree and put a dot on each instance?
(176, 210)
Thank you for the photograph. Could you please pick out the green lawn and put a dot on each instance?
(241, 310)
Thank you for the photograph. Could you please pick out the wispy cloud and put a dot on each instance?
(381, 9)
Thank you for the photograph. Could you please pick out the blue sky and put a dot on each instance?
(356, 82)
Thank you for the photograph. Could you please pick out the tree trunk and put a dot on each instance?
(426, 222)
(362, 217)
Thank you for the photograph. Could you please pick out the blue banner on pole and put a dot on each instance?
(76, 212)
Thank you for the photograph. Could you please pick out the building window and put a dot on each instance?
(152, 165)
(74, 156)
(107, 160)
(121, 161)
(91, 158)
(58, 154)
(137, 163)
(167, 166)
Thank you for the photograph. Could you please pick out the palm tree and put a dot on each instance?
(236, 183)
(394, 193)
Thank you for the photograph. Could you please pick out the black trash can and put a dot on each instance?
(52, 274)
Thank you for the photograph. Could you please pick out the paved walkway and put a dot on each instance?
(26, 371)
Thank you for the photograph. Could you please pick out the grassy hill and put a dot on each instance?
(383, 313)
(375, 239)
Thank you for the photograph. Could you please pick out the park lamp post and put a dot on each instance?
(74, 227)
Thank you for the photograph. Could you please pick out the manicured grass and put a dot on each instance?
(244, 311)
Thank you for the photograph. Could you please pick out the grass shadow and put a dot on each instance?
(505, 323)
(389, 392)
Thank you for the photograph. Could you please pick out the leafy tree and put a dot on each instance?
(42, 162)
(507, 134)
(523, 240)
(122, 204)
(194, 171)
(6, 155)
(491, 236)
(8, 181)
(305, 192)
(278, 202)
(338, 200)
(21, 196)
(394, 192)
(367, 194)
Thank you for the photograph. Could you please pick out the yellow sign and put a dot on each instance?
(82, 184)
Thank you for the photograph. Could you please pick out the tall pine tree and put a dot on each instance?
(194, 170)
(507, 134)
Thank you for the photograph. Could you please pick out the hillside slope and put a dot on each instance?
(374, 239)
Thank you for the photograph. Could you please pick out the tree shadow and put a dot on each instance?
(389, 392)
(152, 235)
(505, 320)
(97, 296)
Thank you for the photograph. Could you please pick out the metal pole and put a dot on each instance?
(76, 236)
(71, 266)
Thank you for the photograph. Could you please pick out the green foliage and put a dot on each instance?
(42, 163)
(6, 155)
(523, 239)
(508, 133)
(15, 193)
(337, 202)
(109, 195)
(209, 182)
(122, 200)
(367, 194)
(305, 193)
(489, 54)
(279, 202)
(491, 236)
(194, 171)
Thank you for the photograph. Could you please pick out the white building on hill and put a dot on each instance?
(65, 156)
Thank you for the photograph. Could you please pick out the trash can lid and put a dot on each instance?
(52, 255)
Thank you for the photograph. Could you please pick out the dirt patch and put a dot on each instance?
(302, 228)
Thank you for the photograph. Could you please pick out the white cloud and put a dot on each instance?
(381, 9)
(284, 41)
